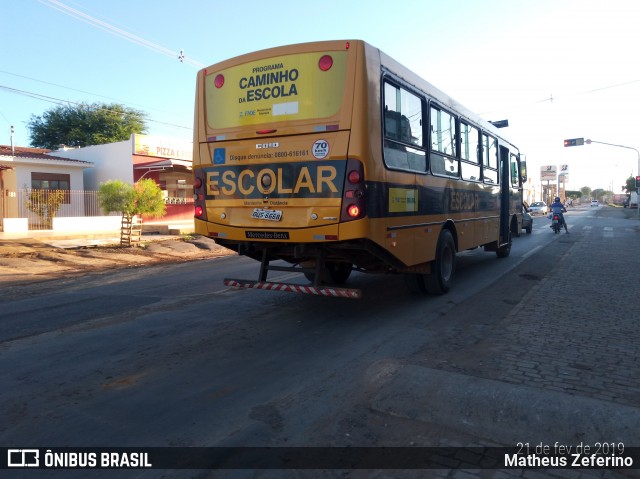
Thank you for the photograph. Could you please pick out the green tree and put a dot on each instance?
(45, 204)
(85, 125)
(116, 196)
(143, 198)
(599, 193)
(148, 199)
(630, 185)
(586, 191)
(572, 194)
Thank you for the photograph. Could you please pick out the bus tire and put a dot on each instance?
(443, 268)
(338, 272)
(514, 228)
(333, 272)
(503, 251)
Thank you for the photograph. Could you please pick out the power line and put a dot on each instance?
(551, 98)
(119, 32)
(608, 87)
(62, 102)
(37, 96)
(5, 118)
(56, 84)
(80, 91)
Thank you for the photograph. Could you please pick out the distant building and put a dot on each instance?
(24, 168)
(165, 160)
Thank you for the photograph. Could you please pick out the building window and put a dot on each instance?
(52, 181)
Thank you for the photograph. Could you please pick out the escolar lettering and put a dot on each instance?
(302, 181)
(463, 201)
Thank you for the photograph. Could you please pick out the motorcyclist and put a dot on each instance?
(557, 208)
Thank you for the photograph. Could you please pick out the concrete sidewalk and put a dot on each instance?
(563, 365)
(157, 231)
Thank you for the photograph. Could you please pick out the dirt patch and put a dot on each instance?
(27, 261)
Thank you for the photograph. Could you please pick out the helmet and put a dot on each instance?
(556, 199)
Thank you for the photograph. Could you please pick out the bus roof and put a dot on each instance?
(386, 62)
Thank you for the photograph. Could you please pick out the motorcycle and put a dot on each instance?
(556, 224)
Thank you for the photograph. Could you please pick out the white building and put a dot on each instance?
(23, 169)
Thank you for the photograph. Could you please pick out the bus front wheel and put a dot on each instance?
(443, 268)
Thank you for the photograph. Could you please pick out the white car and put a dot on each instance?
(595, 203)
(538, 207)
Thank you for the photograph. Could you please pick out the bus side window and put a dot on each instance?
(397, 126)
(489, 159)
(469, 149)
(391, 124)
(403, 130)
(443, 143)
(515, 177)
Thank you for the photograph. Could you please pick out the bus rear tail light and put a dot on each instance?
(354, 177)
(353, 211)
(199, 204)
(219, 80)
(354, 193)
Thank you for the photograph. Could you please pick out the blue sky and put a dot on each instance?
(555, 68)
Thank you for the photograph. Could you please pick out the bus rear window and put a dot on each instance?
(285, 88)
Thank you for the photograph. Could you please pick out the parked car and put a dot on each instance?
(527, 220)
(595, 203)
(538, 208)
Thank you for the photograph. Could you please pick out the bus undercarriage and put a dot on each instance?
(327, 264)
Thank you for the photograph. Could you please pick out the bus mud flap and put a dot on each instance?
(295, 288)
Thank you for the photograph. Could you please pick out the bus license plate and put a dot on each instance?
(272, 215)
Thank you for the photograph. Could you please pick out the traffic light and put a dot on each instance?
(574, 142)
(638, 181)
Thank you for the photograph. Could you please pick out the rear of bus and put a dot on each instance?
(272, 175)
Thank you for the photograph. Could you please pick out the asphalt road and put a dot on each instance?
(168, 356)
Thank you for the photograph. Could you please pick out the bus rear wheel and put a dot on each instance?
(334, 272)
(443, 268)
(504, 250)
(338, 272)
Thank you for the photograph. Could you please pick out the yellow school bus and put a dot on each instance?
(329, 157)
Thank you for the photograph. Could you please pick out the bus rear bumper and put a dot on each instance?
(328, 291)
